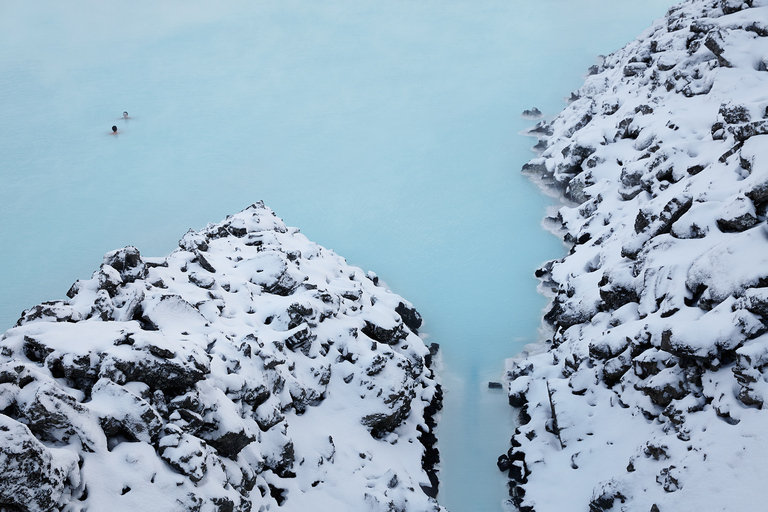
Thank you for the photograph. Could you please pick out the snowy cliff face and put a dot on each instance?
(651, 392)
(249, 369)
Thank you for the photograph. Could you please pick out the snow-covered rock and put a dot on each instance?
(650, 394)
(250, 369)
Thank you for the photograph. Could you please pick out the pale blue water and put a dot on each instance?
(386, 130)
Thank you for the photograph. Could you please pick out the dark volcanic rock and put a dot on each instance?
(411, 318)
(532, 113)
(381, 424)
(605, 497)
(32, 480)
(128, 263)
(123, 413)
(391, 336)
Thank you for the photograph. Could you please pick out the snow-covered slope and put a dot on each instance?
(650, 393)
(249, 369)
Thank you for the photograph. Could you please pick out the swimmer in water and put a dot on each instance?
(114, 130)
(125, 115)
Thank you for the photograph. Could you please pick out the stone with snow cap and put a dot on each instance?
(33, 479)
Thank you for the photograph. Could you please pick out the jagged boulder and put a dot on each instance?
(33, 478)
(389, 335)
(127, 262)
(605, 496)
(123, 413)
(187, 454)
(739, 215)
(56, 416)
(411, 318)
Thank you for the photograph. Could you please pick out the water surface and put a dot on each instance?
(386, 130)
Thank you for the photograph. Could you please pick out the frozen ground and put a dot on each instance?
(386, 131)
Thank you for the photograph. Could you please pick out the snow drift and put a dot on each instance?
(650, 394)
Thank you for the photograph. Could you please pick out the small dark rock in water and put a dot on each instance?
(494, 385)
(532, 113)
(541, 128)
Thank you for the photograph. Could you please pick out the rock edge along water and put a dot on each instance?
(249, 369)
(650, 394)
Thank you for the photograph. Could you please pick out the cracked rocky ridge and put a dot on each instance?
(649, 393)
(247, 370)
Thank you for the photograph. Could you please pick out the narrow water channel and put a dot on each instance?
(387, 131)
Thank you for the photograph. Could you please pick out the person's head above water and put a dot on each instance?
(114, 129)
(125, 114)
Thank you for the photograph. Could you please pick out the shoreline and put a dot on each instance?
(654, 371)
(430, 461)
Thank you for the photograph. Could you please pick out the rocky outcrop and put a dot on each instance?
(249, 369)
(649, 395)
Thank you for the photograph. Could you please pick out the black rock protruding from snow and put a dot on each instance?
(247, 370)
(651, 390)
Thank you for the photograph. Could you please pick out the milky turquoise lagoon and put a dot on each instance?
(386, 130)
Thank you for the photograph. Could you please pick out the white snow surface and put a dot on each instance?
(248, 369)
(651, 392)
